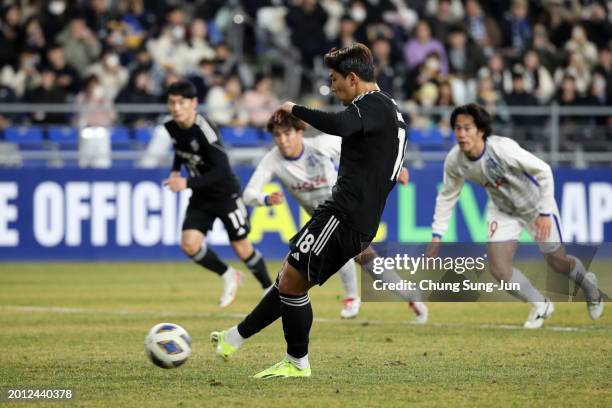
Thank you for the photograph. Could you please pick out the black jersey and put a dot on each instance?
(200, 149)
(373, 145)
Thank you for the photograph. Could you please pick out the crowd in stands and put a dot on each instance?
(100, 53)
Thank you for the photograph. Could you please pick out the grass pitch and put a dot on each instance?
(82, 326)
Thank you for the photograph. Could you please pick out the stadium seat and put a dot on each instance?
(26, 137)
(142, 135)
(427, 139)
(266, 138)
(120, 138)
(240, 136)
(66, 137)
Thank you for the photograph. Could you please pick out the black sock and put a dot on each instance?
(208, 259)
(296, 312)
(265, 313)
(257, 266)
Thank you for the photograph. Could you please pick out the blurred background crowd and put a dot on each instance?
(246, 55)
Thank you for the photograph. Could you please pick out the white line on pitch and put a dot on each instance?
(121, 312)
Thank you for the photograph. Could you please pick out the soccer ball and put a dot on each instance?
(168, 345)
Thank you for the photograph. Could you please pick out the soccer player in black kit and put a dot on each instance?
(216, 191)
(373, 145)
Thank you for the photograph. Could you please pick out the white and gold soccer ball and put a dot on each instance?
(168, 345)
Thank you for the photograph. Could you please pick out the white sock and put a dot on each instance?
(349, 279)
(233, 337)
(301, 363)
(527, 293)
(577, 274)
(228, 274)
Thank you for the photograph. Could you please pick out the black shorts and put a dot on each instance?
(232, 212)
(324, 245)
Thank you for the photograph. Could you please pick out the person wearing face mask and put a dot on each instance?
(113, 77)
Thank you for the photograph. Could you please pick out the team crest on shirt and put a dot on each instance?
(496, 173)
(312, 161)
(195, 145)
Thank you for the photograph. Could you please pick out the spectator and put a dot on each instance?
(47, 92)
(598, 27)
(545, 49)
(112, 76)
(445, 99)
(26, 76)
(169, 50)
(572, 126)
(346, 34)
(139, 90)
(445, 14)
(198, 46)
(11, 36)
(604, 67)
(306, 22)
(421, 45)
(54, 18)
(578, 70)
(496, 70)
(34, 37)
(7, 95)
(260, 102)
(580, 44)
(517, 28)
(99, 16)
(94, 108)
(524, 126)
(558, 20)
(464, 57)
(204, 78)
(384, 70)
(483, 30)
(492, 99)
(223, 103)
(428, 71)
(81, 47)
(138, 22)
(537, 79)
(67, 77)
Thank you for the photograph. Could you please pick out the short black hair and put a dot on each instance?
(356, 58)
(482, 118)
(183, 88)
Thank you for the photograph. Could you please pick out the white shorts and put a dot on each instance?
(504, 227)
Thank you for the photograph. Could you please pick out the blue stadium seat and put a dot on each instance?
(427, 139)
(66, 137)
(27, 137)
(142, 135)
(120, 138)
(266, 138)
(240, 136)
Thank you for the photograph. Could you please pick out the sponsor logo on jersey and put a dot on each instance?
(310, 185)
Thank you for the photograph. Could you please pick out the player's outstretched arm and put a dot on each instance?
(343, 124)
(254, 194)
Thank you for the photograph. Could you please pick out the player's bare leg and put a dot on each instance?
(573, 268)
(253, 259)
(193, 244)
(500, 256)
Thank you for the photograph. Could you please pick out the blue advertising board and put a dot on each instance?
(126, 214)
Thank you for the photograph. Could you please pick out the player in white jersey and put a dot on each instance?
(521, 191)
(306, 168)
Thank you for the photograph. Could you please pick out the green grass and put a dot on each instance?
(82, 325)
